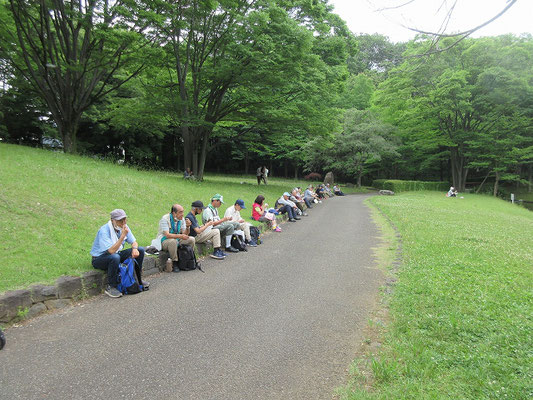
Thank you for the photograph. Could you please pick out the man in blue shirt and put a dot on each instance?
(108, 250)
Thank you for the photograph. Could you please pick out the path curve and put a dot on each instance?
(282, 321)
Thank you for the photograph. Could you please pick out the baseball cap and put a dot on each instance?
(240, 202)
(286, 194)
(197, 204)
(118, 214)
(218, 197)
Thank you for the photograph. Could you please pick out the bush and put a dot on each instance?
(313, 176)
(405, 186)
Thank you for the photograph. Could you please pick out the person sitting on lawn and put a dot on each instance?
(174, 231)
(225, 225)
(205, 232)
(289, 207)
(187, 174)
(108, 250)
(337, 190)
(234, 213)
(452, 192)
(260, 214)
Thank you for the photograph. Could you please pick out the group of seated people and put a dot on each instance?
(177, 229)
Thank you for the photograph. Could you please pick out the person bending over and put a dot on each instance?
(289, 207)
(205, 232)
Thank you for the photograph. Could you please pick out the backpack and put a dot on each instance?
(255, 234)
(129, 277)
(186, 258)
(2, 340)
(238, 242)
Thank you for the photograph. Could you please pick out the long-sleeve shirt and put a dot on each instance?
(289, 203)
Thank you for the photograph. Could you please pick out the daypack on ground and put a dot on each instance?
(238, 242)
(255, 234)
(186, 258)
(130, 276)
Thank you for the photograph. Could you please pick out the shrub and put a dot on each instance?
(313, 176)
(378, 183)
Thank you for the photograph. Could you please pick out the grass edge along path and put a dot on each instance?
(460, 315)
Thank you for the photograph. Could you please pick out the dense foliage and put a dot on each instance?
(231, 85)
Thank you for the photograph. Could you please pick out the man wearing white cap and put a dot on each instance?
(108, 250)
(234, 212)
(288, 207)
(226, 227)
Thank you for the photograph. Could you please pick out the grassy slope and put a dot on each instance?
(461, 312)
(52, 204)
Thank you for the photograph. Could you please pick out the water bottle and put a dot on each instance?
(168, 265)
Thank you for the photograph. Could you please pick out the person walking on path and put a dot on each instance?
(108, 250)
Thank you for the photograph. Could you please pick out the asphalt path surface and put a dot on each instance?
(281, 321)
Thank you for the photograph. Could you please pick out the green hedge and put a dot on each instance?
(405, 186)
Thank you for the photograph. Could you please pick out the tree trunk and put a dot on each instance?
(530, 178)
(496, 183)
(480, 186)
(459, 171)
(296, 171)
(359, 180)
(286, 168)
(203, 153)
(68, 131)
(246, 163)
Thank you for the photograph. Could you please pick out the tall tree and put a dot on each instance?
(72, 52)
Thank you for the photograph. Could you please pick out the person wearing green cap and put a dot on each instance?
(226, 227)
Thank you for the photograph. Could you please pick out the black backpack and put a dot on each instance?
(187, 258)
(255, 234)
(2, 340)
(238, 242)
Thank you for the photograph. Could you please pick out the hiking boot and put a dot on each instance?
(232, 249)
(112, 291)
(145, 285)
(217, 255)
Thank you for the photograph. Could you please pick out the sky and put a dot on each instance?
(363, 16)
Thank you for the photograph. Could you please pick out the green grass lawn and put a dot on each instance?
(461, 312)
(52, 204)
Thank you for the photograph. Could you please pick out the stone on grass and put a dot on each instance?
(69, 287)
(13, 302)
(329, 178)
(386, 192)
(41, 293)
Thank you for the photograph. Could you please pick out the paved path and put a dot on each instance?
(280, 322)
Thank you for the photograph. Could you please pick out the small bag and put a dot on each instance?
(238, 242)
(270, 216)
(130, 277)
(255, 234)
(186, 258)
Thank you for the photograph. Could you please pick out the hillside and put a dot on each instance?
(52, 204)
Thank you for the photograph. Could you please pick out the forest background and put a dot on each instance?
(229, 85)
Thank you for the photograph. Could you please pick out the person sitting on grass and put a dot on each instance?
(452, 192)
(226, 227)
(108, 250)
(289, 207)
(260, 214)
(187, 174)
(337, 190)
(174, 231)
(205, 232)
(234, 213)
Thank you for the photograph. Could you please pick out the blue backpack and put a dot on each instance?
(129, 277)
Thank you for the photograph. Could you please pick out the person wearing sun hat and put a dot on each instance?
(289, 207)
(234, 213)
(226, 227)
(108, 250)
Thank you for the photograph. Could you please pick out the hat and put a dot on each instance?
(118, 214)
(240, 202)
(286, 194)
(218, 197)
(197, 204)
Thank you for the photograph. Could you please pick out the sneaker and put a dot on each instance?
(217, 255)
(297, 218)
(112, 291)
(278, 229)
(232, 249)
(252, 243)
(305, 214)
(292, 220)
(146, 285)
